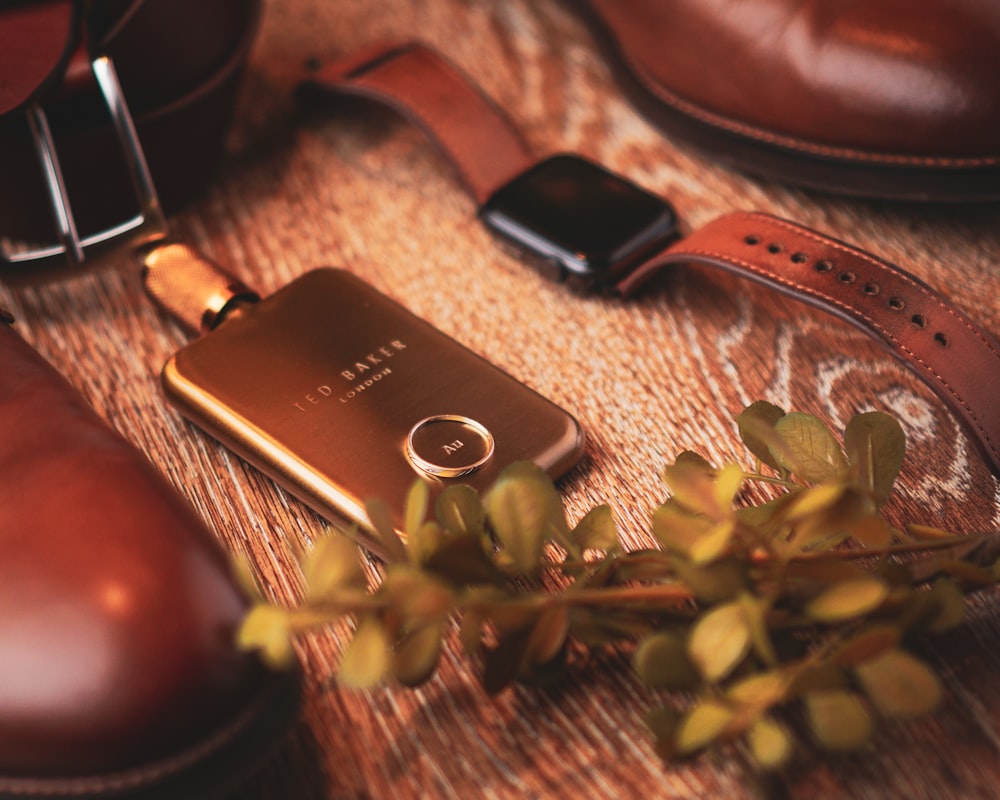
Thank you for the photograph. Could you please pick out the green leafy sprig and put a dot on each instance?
(806, 603)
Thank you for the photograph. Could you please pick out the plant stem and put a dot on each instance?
(656, 593)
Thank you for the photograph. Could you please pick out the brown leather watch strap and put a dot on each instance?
(433, 94)
(953, 355)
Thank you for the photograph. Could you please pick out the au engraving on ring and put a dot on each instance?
(449, 446)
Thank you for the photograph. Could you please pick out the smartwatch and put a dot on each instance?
(594, 230)
(577, 222)
(570, 218)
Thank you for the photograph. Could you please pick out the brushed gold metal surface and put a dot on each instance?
(320, 384)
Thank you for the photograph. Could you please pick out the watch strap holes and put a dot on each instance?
(870, 288)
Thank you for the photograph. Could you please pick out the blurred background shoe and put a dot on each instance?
(119, 672)
(893, 99)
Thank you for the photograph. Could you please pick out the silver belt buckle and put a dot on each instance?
(149, 225)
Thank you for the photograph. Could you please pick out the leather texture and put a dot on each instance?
(951, 353)
(119, 671)
(182, 97)
(35, 42)
(419, 83)
(957, 358)
(899, 91)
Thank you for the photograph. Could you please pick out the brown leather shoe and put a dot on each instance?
(884, 98)
(119, 676)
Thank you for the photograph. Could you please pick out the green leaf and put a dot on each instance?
(368, 657)
(760, 691)
(597, 628)
(636, 565)
(503, 662)
(847, 599)
(461, 560)
(767, 519)
(756, 610)
(770, 743)
(875, 445)
(815, 500)
(928, 533)
(964, 571)
(268, 629)
(548, 635)
(822, 677)
(838, 719)
(756, 426)
(704, 724)
(416, 656)
(812, 451)
(380, 518)
(719, 640)
(424, 541)
(476, 603)
(713, 543)
(692, 488)
(416, 597)
(867, 645)
(676, 529)
(899, 685)
(597, 530)
(873, 532)
(417, 501)
(662, 722)
(333, 564)
(459, 509)
(470, 630)
(523, 506)
(951, 605)
(547, 673)
(689, 458)
(728, 483)
(828, 527)
(515, 613)
(662, 662)
(712, 583)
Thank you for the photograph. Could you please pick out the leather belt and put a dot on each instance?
(957, 358)
(179, 61)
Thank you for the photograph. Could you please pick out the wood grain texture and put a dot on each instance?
(353, 186)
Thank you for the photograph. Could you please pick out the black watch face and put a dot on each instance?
(578, 219)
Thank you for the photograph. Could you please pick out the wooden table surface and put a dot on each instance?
(355, 187)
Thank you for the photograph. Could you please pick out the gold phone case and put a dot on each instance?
(341, 395)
